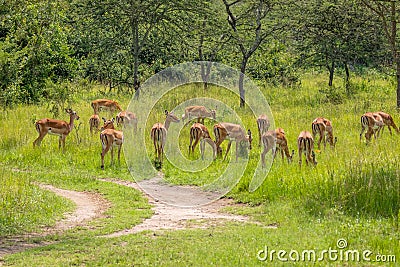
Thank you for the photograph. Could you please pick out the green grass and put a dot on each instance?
(352, 193)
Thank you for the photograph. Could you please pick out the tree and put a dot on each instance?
(247, 20)
(33, 49)
(125, 29)
(335, 33)
(388, 13)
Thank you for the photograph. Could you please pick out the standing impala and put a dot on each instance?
(159, 134)
(198, 111)
(373, 122)
(127, 118)
(109, 138)
(55, 127)
(388, 121)
(200, 132)
(105, 104)
(263, 126)
(232, 132)
(275, 140)
(324, 128)
(305, 144)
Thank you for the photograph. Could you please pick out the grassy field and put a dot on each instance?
(352, 194)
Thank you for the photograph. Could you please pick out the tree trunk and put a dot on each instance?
(136, 52)
(347, 79)
(398, 81)
(241, 80)
(331, 72)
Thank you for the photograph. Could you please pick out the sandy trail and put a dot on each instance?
(182, 207)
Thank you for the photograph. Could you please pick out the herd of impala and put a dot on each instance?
(275, 140)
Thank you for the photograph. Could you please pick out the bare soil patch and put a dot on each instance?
(182, 207)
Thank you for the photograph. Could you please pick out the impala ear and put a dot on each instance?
(104, 119)
(68, 110)
(166, 112)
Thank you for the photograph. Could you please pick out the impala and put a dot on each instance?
(55, 127)
(232, 132)
(388, 121)
(263, 126)
(324, 128)
(199, 112)
(305, 144)
(159, 134)
(94, 123)
(109, 138)
(200, 132)
(105, 104)
(127, 118)
(373, 122)
(275, 140)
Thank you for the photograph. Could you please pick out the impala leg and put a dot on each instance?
(265, 151)
(237, 149)
(362, 131)
(202, 148)
(119, 153)
(300, 156)
(196, 141)
(321, 136)
(38, 140)
(104, 151)
(190, 143)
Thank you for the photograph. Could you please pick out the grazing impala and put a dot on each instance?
(232, 132)
(198, 111)
(105, 104)
(200, 132)
(110, 138)
(305, 144)
(388, 121)
(275, 140)
(324, 128)
(373, 122)
(127, 118)
(55, 127)
(159, 134)
(263, 126)
(94, 123)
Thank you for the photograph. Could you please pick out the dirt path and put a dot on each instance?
(181, 207)
(175, 207)
(88, 207)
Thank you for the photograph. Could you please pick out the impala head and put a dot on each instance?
(108, 124)
(170, 116)
(290, 158)
(72, 113)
